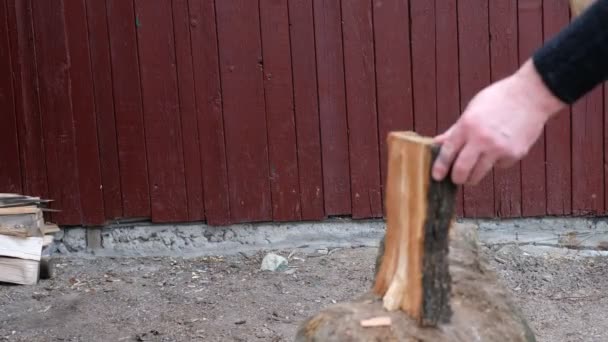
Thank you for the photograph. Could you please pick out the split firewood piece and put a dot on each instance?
(413, 274)
(381, 321)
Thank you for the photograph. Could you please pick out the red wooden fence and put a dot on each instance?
(269, 110)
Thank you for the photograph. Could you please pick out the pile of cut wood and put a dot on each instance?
(24, 235)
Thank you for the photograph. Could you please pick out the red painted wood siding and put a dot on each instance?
(475, 74)
(533, 179)
(10, 172)
(269, 110)
(504, 59)
(280, 115)
(558, 138)
(58, 121)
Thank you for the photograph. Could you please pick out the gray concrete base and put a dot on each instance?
(554, 235)
(199, 239)
(557, 237)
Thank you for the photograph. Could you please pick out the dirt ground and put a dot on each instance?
(230, 299)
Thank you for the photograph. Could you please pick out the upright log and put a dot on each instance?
(413, 274)
(421, 292)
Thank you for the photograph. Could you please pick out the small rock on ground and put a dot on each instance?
(273, 262)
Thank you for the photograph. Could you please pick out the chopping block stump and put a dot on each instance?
(431, 281)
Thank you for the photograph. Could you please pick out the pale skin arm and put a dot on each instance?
(497, 128)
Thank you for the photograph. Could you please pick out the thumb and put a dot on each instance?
(451, 145)
(441, 138)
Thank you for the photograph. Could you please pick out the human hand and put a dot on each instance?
(498, 127)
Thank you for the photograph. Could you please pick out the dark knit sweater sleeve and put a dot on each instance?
(576, 60)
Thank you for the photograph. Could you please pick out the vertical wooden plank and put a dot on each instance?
(104, 106)
(557, 132)
(161, 111)
(245, 122)
(29, 125)
(446, 45)
(533, 183)
(85, 123)
(209, 111)
(55, 100)
(605, 149)
(10, 172)
(504, 61)
(447, 84)
(128, 111)
(423, 66)
(306, 101)
(393, 71)
(478, 201)
(588, 184)
(588, 154)
(474, 53)
(360, 79)
(332, 107)
(187, 109)
(278, 90)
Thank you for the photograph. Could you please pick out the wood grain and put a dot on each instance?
(25, 80)
(209, 111)
(241, 66)
(278, 93)
(605, 149)
(533, 179)
(474, 58)
(10, 172)
(188, 111)
(360, 80)
(53, 64)
(161, 111)
(130, 129)
(558, 130)
(306, 102)
(588, 154)
(504, 61)
(85, 120)
(424, 75)
(104, 106)
(332, 107)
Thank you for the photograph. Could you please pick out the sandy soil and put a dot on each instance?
(229, 299)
